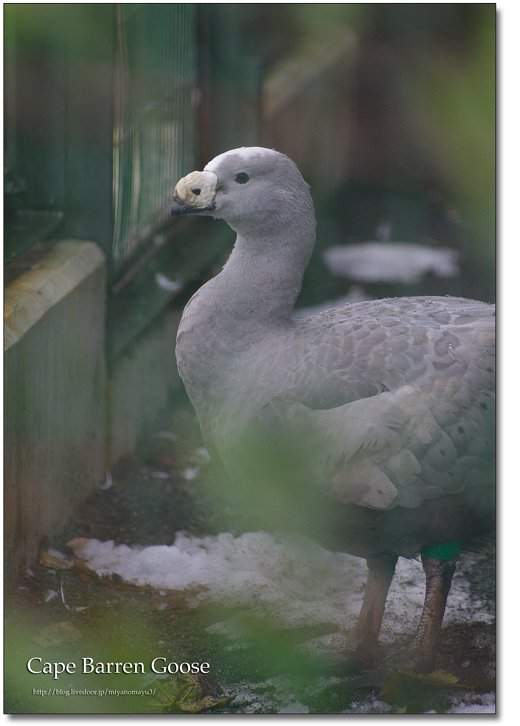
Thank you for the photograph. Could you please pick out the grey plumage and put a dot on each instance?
(390, 402)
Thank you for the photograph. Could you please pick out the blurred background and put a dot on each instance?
(388, 109)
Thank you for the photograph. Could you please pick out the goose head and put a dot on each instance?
(249, 186)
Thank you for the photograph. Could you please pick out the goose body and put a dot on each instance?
(380, 413)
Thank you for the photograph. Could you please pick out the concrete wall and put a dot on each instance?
(55, 394)
(67, 420)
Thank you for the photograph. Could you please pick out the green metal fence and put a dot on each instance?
(155, 117)
(107, 106)
(84, 117)
(58, 124)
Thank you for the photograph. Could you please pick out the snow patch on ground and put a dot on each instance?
(294, 583)
(289, 579)
(390, 261)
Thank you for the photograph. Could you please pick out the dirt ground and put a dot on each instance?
(61, 615)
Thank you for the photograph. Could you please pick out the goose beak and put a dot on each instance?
(195, 193)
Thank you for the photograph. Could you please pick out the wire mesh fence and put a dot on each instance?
(154, 117)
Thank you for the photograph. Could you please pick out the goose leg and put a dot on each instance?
(380, 573)
(439, 574)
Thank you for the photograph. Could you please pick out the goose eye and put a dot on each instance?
(241, 177)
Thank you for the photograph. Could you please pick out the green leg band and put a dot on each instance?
(445, 551)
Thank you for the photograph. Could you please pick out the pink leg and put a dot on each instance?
(380, 573)
(439, 574)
